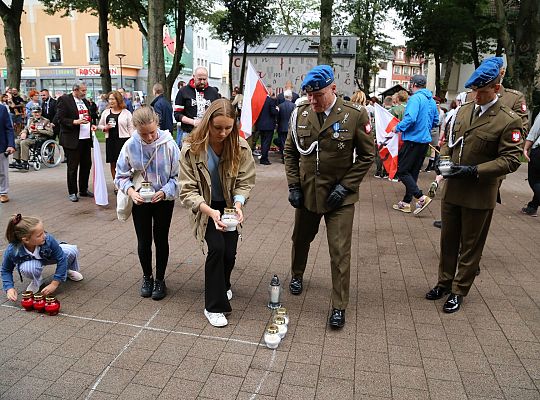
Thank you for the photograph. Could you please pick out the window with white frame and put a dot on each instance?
(400, 55)
(405, 70)
(397, 69)
(205, 43)
(394, 83)
(92, 47)
(382, 83)
(383, 66)
(405, 84)
(54, 49)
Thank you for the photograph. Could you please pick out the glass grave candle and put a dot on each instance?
(52, 305)
(39, 302)
(28, 300)
(271, 337)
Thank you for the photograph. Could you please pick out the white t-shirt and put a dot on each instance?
(84, 132)
(35, 254)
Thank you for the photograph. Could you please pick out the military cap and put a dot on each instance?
(485, 73)
(36, 108)
(318, 78)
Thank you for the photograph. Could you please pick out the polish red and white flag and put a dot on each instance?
(387, 141)
(254, 96)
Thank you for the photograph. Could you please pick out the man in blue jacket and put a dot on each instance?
(163, 108)
(7, 147)
(420, 117)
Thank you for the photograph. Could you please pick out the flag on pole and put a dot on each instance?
(98, 176)
(387, 141)
(254, 96)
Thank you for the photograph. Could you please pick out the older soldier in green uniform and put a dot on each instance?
(485, 144)
(328, 151)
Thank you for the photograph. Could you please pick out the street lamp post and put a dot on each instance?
(120, 56)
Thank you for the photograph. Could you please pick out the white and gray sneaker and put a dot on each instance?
(216, 319)
(74, 275)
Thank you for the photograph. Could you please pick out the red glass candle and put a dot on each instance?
(39, 302)
(28, 300)
(52, 306)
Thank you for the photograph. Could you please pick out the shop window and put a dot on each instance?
(92, 48)
(54, 49)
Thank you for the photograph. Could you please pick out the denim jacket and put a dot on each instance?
(15, 255)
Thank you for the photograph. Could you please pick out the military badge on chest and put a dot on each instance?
(336, 131)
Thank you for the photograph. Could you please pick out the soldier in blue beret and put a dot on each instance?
(325, 133)
(484, 145)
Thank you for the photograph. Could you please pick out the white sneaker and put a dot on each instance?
(33, 287)
(74, 275)
(216, 319)
(229, 294)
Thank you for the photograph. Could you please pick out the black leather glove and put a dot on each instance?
(296, 197)
(337, 196)
(463, 171)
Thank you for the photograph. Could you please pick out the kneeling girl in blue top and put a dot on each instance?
(30, 249)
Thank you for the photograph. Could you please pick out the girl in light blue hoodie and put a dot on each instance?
(155, 155)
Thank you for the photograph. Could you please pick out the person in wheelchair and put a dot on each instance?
(37, 128)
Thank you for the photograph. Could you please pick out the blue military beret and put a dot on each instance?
(485, 73)
(318, 78)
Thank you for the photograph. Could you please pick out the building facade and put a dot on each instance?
(405, 67)
(282, 58)
(57, 51)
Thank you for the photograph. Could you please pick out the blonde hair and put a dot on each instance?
(144, 116)
(20, 227)
(199, 137)
(359, 97)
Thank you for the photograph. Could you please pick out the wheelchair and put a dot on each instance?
(46, 152)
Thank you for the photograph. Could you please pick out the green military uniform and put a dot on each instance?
(493, 142)
(342, 151)
(43, 129)
(515, 100)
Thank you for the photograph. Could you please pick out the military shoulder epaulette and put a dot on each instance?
(512, 91)
(356, 106)
(509, 111)
(303, 103)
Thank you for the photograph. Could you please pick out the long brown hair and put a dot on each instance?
(199, 137)
(19, 227)
(119, 99)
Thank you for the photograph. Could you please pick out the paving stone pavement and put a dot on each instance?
(109, 343)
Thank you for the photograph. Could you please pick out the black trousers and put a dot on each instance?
(266, 142)
(153, 219)
(533, 176)
(219, 264)
(79, 160)
(410, 159)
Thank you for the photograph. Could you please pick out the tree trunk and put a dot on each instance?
(447, 72)
(103, 43)
(11, 17)
(527, 47)
(231, 59)
(243, 69)
(504, 38)
(437, 74)
(156, 68)
(474, 50)
(325, 41)
(180, 25)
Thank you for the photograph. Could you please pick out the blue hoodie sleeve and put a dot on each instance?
(122, 179)
(60, 257)
(171, 187)
(8, 266)
(411, 113)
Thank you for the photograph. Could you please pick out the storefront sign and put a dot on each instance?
(57, 72)
(95, 71)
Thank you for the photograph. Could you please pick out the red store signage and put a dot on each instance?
(94, 71)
